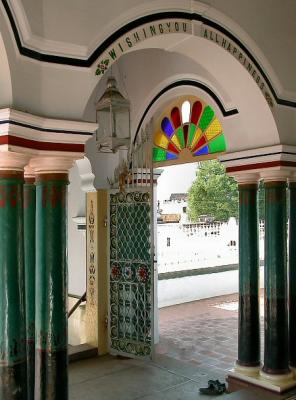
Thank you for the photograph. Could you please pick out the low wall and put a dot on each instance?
(197, 287)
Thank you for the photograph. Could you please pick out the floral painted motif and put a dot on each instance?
(142, 274)
(102, 67)
(115, 272)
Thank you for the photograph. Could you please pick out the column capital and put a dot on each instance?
(275, 175)
(243, 178)
(29, 172)
(11, 161)
(292, 178)
(51, 165)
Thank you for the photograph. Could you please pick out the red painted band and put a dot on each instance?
(36, 145)
(269, 164)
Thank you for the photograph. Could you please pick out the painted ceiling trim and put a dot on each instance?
(261, 165)
(187, 82)
(251, 157)
(25, 123)
(88, 62)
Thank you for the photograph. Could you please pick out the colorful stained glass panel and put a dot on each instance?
(186, 112)
(195, 128)
(213, 130)
(202, 152)
(167, 127)
(206, 118)
(217, 145)
(180, 134)
(196, 112)
(176, 117)
(159, 154)
(161, 140)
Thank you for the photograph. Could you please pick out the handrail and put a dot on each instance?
(77, 304)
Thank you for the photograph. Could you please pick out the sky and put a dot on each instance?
(175, 179)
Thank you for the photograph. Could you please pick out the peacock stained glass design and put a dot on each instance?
(130, 274)
(192, 131)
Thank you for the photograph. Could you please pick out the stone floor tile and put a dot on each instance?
(185, 391)
(81, 371)
(128, 384)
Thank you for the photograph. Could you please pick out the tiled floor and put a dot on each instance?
(198, 342)
(111, 378)
(203, 332)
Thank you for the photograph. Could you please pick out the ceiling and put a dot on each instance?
(70, 32)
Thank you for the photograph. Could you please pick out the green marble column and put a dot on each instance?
(30, 275)
(12, 297)
(276, 348)
(51, 359)
(292, 274)
(249, 322)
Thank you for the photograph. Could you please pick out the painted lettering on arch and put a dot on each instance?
(138, 35)
(233, 49)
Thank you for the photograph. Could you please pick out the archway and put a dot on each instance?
(188, 131)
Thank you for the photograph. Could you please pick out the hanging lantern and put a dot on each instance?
(113, 118)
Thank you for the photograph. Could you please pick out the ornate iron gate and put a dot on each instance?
(131, 274)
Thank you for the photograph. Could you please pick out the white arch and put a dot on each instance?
(86, 175)
(253, 126)
(5, 77)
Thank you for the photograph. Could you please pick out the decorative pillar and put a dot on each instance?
(51, 356)
(292, 275)
(29, 246)
(276, 343)
(248, 361)
(97, 271)
(12, 297)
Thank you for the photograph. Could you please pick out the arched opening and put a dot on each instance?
(197, 260)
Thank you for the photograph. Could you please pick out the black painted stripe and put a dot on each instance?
(199, 271)
(187, 82)
(128, 27)
(36, 128)
(258, 156)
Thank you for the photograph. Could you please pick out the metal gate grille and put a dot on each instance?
(130, 273)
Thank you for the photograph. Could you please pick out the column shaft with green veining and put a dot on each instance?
(12, 297)
(249, 323)
(29, 245)
(292, 274)
(276, 347)
(51, 376)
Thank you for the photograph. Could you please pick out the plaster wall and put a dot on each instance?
(270, 25)
(5, 78)
(76, 239)
(191, 288)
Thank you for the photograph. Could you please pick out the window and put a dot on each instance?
(168, 242)
(193, 127)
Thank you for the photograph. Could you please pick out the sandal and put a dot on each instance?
(214, 388)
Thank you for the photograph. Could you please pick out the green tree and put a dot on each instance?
(213, 193)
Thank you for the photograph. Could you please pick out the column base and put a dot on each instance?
(275, 383)
(247, 371)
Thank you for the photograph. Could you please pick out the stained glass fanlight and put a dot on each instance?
(188, 131)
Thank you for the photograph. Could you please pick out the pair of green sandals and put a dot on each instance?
(214, 388)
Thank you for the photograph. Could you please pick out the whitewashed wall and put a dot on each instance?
(191, 288)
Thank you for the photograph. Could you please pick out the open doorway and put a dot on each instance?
(197, 247)
(197, 256)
